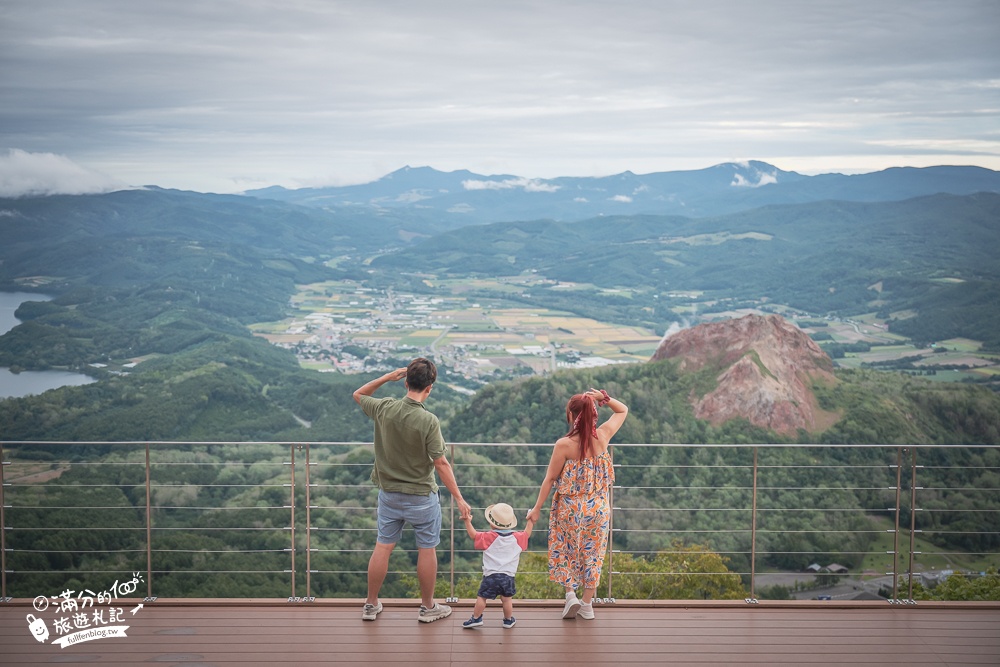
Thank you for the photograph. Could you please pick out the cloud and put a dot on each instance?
(411, 197)
(763, 178)
(335, 92)
(32, 174)
(947, 146)
(674, 327)
(528, 184)
(625, 199)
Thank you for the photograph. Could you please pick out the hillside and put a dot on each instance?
(667, 394)
(932, 257)
(153, 291)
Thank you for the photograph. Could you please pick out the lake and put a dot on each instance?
(27, 383)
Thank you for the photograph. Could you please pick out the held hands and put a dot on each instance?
(464, 509)
(533, 515)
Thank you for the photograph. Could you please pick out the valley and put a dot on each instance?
(348, 327)
(343, 326)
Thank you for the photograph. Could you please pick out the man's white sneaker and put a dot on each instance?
(371, 611)
(586, 611)
(435, 613)
(572, 606)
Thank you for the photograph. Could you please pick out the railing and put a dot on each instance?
(238, 519)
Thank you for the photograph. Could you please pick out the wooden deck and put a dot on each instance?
(270, 632)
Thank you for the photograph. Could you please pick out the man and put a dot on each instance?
(409, 448)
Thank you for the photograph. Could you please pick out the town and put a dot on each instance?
(349, 328)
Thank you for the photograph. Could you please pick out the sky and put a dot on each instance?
(230, 95)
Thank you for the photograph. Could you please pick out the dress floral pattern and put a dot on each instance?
(580, 520)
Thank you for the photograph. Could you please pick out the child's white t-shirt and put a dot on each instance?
(501, 551)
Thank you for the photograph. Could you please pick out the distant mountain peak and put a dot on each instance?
(408, 169)
(766, 368)
(426, 176)
(746, 164)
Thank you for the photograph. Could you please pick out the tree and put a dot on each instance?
(683, 572)
(961, 586)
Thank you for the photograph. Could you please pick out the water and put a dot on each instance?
(27, 383)
(9, 302)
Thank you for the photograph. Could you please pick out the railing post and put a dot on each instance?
(611, 526)
(292, 512)
(3, 532)
(149, 530)
(913, 517)
(753, 530)
(895, 534)
(308, 529)
(451, 586)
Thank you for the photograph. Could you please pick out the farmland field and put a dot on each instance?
(348, 327)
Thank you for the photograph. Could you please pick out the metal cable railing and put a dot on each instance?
(223, 519)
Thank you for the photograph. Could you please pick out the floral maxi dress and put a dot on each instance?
(579, 522)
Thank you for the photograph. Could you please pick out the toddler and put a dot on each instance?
(501, 549)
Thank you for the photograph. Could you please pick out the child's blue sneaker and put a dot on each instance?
(509, 622)
(474, 622)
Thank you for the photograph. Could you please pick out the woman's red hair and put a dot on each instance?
(581, 413)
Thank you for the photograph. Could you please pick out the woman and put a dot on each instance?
(580, 518)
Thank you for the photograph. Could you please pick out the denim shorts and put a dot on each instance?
(421, 512)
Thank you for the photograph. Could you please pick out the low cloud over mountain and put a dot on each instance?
(31, 174)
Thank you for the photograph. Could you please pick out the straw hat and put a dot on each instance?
(501, 515)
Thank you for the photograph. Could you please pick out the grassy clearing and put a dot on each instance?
(961, 344)
(930, 557)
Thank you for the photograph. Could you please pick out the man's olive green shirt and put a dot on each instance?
(407, 440)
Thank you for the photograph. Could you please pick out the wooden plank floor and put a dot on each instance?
(268, 632)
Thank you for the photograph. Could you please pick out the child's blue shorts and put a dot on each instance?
(497, 585)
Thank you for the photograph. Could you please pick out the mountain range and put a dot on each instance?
(453, 199)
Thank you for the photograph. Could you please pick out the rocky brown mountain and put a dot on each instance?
(766, 369)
